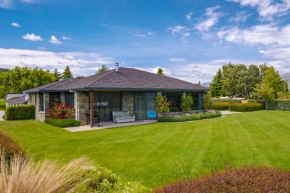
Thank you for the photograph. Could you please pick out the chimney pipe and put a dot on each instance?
(117, 66)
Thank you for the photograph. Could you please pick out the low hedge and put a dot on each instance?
(255, 101)
(220, 106)
(10, 146)
(283, 105)
(226, 101)
(24, 112)
(192, 117)
(246, 107)
(63, 122)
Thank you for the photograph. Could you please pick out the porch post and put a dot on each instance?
(200, 97)
(183, 95)
(91, 109)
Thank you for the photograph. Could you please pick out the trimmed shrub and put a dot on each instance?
(63, 122)
(283, 105)
(184, 118)
(24, 112)
(226, 101)
(220, 106)
(235, 180)
(255, 101)
(10, 146)
(246, 107)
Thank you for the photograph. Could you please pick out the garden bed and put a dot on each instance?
(183, 117)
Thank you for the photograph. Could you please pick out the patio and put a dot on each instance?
(109, 125)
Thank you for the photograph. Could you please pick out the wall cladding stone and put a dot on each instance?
(82, 106)
(34, 100)
(128, 102)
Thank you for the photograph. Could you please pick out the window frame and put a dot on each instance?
(41, 102)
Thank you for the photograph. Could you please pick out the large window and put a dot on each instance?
(41, 102)
(53, 96)
(174, 100)
(194, 95)
(145, 105)
(69, 98)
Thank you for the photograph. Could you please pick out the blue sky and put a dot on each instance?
(189, 39)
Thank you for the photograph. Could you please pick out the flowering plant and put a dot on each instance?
(60, 110)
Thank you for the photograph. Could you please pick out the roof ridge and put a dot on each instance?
(113, 70)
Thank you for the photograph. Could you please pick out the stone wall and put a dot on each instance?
(128, 102)
(82, 106)
(34, 100)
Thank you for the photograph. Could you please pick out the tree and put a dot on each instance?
(207, 103)
(254, 78)
(67, 73)
(160, 72)
(20, 79)
(265, 92)
(216, 87)
(186, 103)
(57, 75)
(104, 68)
(162, 106)
(273, 79)
(229, 83)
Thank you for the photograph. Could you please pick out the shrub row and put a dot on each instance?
(235, 180)
(220, 106)
(283, 105)
(226, 101)
(10, 146)
(246, 107)
(24, 112)
(63, 122)
(192, 117)
(255, 101)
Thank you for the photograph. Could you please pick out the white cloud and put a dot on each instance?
(280, 58)
(259, 34)
(138, 35)
(66, 38)
(151, 33)
(15, 25)
(210, 19)
(32, 37)
(6, 4)
(177, 59)
(267, 9)
(54, 40)
(241, 16)
(174, 30)
(188, 16)
(41, 48)
(81, 63)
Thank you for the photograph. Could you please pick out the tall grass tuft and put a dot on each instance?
(19, 174)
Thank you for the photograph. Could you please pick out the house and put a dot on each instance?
(115, 90)
(15, 99)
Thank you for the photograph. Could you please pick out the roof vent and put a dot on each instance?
(117, 66)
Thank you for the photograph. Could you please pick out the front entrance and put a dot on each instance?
(105, 103)
(145, 105)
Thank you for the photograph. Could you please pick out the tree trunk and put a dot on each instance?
(267, 105)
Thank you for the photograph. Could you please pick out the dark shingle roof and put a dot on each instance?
(18, 100)
(125, 79)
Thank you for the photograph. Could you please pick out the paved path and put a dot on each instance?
(1, 115)
(229, 112)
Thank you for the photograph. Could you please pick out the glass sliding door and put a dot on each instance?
(105, 103)
(145, 105)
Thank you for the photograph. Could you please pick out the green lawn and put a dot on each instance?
(2, 105)
(158, 153)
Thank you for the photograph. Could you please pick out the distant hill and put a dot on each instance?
(4, 70)
(206, 84)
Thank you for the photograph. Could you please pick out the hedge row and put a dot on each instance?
(283, 105)
(24, 112)
(220, 106)
(63, 122)
(192, 117)
(226, 101)
(246, 107)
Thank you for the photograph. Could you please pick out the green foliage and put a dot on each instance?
(63, 122)
(67, 73)
(10, 146)
(2, 105)
(102, 180)
(273, 80)
(265, 92)
(226, 101)
(221, 106)
(246, 107)
(283, 105)
(103, 68)
(57, 75)
(207, 102)
(162, 106)
(184, 118)
(160, 72)
(256, 101)
(186, 103)
(23, 112)
(216, 87)
(283, 95)
(19, 79)
(3, 70)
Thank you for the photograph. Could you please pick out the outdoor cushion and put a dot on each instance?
(122, 117)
